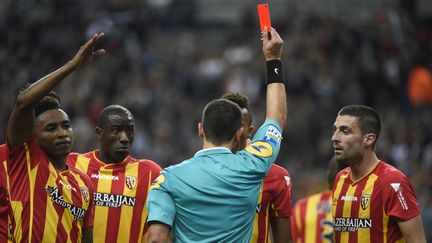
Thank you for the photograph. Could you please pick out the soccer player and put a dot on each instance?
(50, 202)
(372, 200)
(312, 216)
(274, 201)
(121, 182)
(213, 196)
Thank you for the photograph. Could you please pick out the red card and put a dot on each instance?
(264, 16)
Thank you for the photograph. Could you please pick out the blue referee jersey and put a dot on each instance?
(212, 197)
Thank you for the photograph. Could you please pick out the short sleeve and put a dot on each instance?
(266, 143)
(155, 169)
(27, 153)
(399, 198)
(160, 204)
(282, 201)
(3, 153)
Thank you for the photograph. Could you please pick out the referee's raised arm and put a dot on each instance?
(276, 98)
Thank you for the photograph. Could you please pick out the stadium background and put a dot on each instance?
(167, 58)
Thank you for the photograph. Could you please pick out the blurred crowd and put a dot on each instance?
(164, 65)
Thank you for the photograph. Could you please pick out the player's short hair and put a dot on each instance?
(104, 116)
(221, 119)
(48, 102)
(241, 100)
(368, 119)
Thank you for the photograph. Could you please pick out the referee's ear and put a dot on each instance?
(200, 130)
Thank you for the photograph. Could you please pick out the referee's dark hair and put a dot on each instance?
(221, 119)
(241, 100)
(368, 119)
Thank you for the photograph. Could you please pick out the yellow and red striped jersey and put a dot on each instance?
(311, 221)
(5, 222)
(367, 210)
(120, 196)
(274, 201)
(48, 205)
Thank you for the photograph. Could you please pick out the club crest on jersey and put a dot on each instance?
(260, 148)
(85, 193)
(131, 182)
(365, 199)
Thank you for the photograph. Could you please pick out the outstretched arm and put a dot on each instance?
(21, 120)
(276, 97)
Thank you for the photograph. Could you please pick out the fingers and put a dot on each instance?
(93, 41)
(270, 35)
(97, 37)
(272, 44)
(90, 45)
(275, 34)
(98, 53)
(265, 34)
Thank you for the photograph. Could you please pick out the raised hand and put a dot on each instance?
(87, 53)
(272, 44)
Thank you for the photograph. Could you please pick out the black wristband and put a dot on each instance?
(275, 72)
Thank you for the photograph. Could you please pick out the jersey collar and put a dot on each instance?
(213, 150)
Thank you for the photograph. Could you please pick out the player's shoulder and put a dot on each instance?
(343, 172)
(387, 172)
(75, 157)
(277, 175)
(325, 195)
(319, 196)
(150, 164)
(3, 150)
(301, 202)
(278, 170)
(84, 177)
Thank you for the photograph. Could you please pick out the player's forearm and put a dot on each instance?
(281, 229)
(29, 97)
